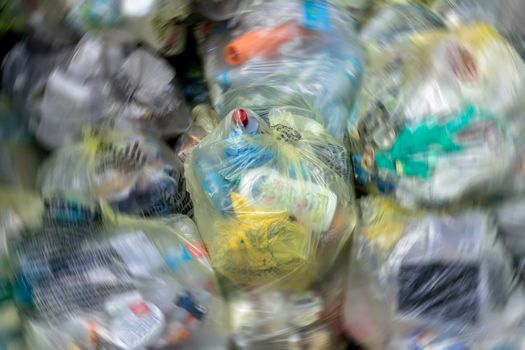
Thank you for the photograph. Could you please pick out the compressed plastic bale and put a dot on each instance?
(100, 80)
(159, 24)
(273, 199)
(421, 270)
(85, 278)
(135, 173)
(304, 50)
(437, 112)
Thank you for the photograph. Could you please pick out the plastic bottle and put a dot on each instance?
(309, 202)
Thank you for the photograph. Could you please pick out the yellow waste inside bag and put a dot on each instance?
(273, 199)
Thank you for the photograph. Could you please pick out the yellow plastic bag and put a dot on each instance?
(273, 200)
(136, 174)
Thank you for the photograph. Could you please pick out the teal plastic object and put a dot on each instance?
(416, 149)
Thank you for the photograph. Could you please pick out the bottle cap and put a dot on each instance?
(240, 116)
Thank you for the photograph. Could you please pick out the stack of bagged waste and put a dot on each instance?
(172, 217)
(84, 279)
(60, 92)
(137, 174)
(275, 207)
(437, 131)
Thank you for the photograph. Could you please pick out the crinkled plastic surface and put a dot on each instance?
(136, 174)
(439, 117)
(100, 80)
(159, 24)
(421, 270)
(394, 22)
(205, 119)
(273, 199)
(305, 51)
(85, 279)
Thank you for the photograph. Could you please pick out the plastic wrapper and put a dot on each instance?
(204, 121)
(86, 279)
(439, 118)
(413, 271)
(160, 24)
(102, 80)
(135, 173)
(305, 51)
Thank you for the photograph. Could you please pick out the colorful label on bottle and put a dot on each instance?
(316, 15)
(310, 203)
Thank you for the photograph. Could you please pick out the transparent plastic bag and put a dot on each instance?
(273, 199)
(87, 279)
(439, 117)
(100, 80)
(25, 70)
(420, 270)
(304, 50)
(136, 174)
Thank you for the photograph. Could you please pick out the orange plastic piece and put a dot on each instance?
(264, 42)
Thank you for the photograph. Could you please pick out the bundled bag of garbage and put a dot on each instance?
(439, 117)
(100, 80)
(299, 53)
(275, 205)
(137, 174)
(414, 271)
(85, 279)
(159, 24)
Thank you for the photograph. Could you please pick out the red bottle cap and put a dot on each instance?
(240, 116)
